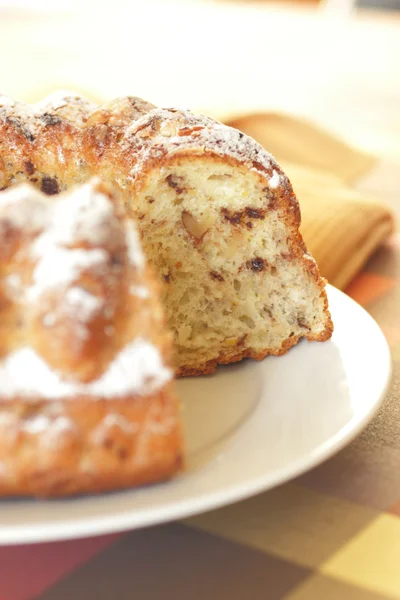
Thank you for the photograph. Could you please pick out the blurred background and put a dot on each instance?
(335, 61)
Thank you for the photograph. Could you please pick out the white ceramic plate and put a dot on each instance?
(250, 427)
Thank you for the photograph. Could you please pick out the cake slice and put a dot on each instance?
(86, 396)
(220, 223)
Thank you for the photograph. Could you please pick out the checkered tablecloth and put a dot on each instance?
(333, 534)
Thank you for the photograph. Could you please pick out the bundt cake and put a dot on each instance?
(86, 400)
(217, 217)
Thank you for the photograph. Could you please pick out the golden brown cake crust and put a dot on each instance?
(81, 445)
(86, 399)
(65, 140)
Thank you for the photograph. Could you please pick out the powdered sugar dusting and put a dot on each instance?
(135, 253)
(8, 420)
(170, 131)
(137, 370)
(83, 304)
(140, 291)
(309, 257)
(84, 215)
(13, 286)
(61, 267)
(23, 207)
(156, 133)
(113, 422)
(55, 100)
(162, 427)
(6, 101)
(13, 281)
(41, 423)
(117, 420)
(49, 320)
(52, 432)
(275, 180)
(31, 118)
(78, 233)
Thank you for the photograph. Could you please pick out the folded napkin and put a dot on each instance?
(341, 227)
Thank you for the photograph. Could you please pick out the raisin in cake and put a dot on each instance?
(86, 400)
(217, 217)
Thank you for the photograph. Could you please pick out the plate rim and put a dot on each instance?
(235, 492)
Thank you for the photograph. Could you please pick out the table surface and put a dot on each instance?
(334, 533)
